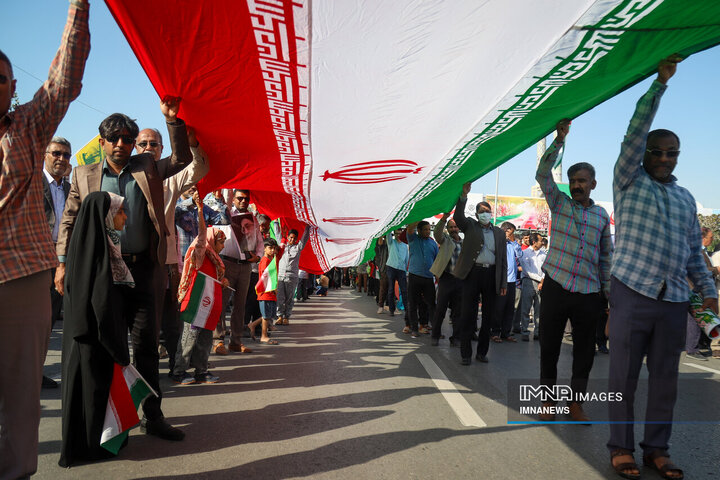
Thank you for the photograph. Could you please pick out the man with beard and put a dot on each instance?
(577, 268)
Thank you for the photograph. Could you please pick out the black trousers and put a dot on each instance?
(480, 281)
(252, 306)
(56, 300)
(170, 324)
(140, 313)
(421, 290)
(584, 310)
(449, 294)
(504, 313)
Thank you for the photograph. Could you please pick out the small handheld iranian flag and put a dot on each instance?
(268, 279)
(127, 390)
(202, 305)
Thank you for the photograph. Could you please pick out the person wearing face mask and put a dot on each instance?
(482, 266)
(577, 280)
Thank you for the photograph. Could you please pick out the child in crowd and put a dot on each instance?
(195, 344)
(267, 299)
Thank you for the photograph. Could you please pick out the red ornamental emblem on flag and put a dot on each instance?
(373, 172)
(206, 301)
(350, 221)
(343, 241)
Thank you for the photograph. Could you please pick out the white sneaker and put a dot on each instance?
(380, 310)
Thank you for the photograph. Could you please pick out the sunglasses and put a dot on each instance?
(660, 153)
(240, 199)
(58, 154)
(145, 144)
(113, 138)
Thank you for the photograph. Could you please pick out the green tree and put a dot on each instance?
(15, 102)
(713, 223)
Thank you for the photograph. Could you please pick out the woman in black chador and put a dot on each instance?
(94, 336)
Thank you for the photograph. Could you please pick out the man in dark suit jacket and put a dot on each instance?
(139, 179)
(482, 266)
(55, 191)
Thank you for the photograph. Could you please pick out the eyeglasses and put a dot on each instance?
(242, 199)
(58, 154)
(660, 153)
(145, 144)
(113, 138)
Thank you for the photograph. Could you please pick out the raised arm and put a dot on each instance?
(305, 238)
(632, 150)
(459, 216)
(64, 82)
(438, 233)
(194, 172)
(544, 172)
(198, 254)
(177, 131)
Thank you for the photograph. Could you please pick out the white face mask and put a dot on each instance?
(484, 218)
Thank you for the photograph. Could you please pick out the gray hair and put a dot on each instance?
(581, 166)
(61, 141)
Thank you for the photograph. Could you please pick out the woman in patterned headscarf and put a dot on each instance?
(195, 344)
(94, 335)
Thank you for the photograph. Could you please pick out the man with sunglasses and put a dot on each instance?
(138, 178)
(648, 288)
(149, 140)
(55, 191)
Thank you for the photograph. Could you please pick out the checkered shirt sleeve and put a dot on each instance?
(580, 249)
(26, 246)
(657, 234)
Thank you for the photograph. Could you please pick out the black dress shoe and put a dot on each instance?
(603, 349)
(481, 358)
(48, 382)
(160, 428)
(465, 361)
(434, 342)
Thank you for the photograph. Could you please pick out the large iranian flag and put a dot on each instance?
(357, 116)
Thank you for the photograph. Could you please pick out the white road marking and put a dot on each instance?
(700, 367)
(465, 413)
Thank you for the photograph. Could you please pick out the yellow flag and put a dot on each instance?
(90, 153)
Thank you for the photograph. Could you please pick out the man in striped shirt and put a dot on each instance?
(577, 271)
(649, 295)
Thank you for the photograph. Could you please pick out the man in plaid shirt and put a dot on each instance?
(26, 247)
(577, 267)
(657, 248)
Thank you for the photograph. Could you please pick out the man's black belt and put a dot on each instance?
(135, 257)
(233, 260)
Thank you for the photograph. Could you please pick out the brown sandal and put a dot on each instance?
(664, 469)
(620, 467)
(496, 339)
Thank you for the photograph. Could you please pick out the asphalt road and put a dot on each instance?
(347, 395)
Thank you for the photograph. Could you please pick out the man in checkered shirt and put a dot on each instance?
(577, 271)
(26, 245)
(657, 247)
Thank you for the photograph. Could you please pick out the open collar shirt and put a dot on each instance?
(57, 193)
(26, 245)
(580, 251)
(657, 233)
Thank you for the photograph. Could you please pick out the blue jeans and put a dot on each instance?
(399, 276)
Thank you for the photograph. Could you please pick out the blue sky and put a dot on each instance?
(114, 81)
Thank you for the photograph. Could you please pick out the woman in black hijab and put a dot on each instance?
(94, 336)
